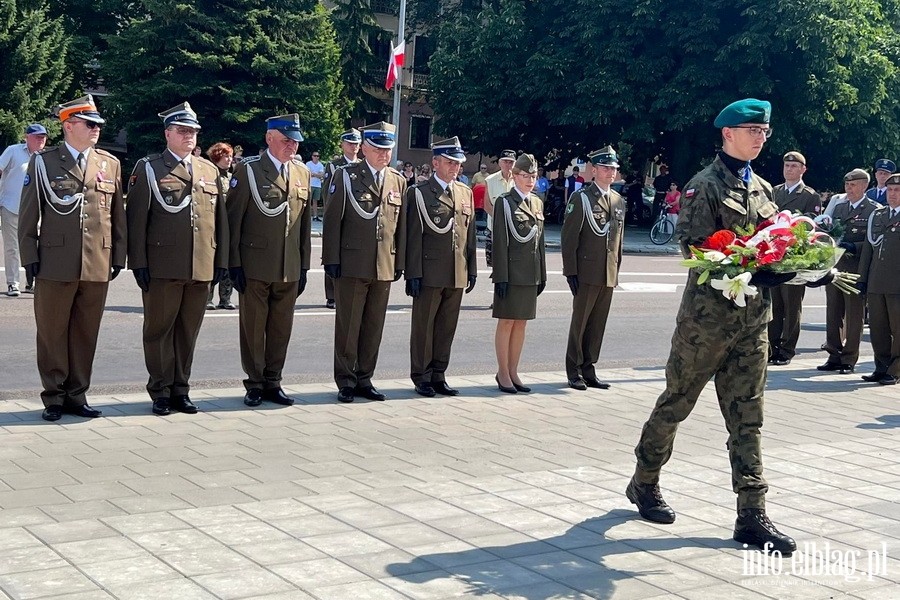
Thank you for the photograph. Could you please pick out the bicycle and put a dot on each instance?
(662, 230)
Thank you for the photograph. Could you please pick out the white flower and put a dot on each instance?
(715, 256)
(736, 289)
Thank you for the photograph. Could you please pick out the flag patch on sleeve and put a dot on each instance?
(689, 193)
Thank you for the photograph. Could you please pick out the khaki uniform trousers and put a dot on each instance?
(884, 331)
(784, 328)
(173, 314)
(358, 327)
(590, 310)
(266, 319)
(844, 315)
(67, 315)
(736, 356)
(435, 314)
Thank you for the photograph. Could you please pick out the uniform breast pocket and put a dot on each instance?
(206, 196)
(393, 206)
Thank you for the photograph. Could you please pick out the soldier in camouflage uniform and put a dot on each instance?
(715, 338)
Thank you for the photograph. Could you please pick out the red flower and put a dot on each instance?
(774, 253)
(720, 241)
(764, 224)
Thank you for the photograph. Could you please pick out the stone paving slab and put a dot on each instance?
(479, 496)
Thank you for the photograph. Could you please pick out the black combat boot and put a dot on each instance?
(650, 503)
(754, 528)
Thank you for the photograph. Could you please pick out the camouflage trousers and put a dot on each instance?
(735, 354)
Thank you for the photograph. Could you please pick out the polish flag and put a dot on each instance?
(394, 64)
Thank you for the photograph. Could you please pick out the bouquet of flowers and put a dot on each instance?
(784, 244)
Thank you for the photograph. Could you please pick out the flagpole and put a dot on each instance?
(395, 119)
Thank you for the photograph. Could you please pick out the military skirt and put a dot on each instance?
(520, 303)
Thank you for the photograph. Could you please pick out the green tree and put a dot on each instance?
(361, 69)
(236, 61)
(32, 66)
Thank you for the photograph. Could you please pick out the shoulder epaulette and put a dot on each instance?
(395, 170)
(105, 153)
(47, 149)
(300, 164)
(150, 157)
(206, 162)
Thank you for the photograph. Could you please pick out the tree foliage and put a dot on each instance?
(237, 62)
(654, 73)
(355, 26)
(32, 65)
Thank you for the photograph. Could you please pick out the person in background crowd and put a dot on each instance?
(574, 182)
(883, 168)
(520, 270)
(13, 166)
(541, 186)
(316, 174)
(74, 193)
(221, 154)
(661, 185)
(673, 203)
(237, 158)
(480, 176)
(497, 184)
(424, 174)
(197, 151)
(409, 173)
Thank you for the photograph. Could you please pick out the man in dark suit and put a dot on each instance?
(269, 227)
(364, 250)
(440, 262)
(350, 141)
(177, 245)
(74, 192)
(592, 238)
(787, 300)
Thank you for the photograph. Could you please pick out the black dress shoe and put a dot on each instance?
(888, 380)
(253, 397)
(874, 377)
(504, 389)
(830, 366)
(577, 384)
(648, 498)
(345, 395)
(227, 305)
(370, 393)
(443, 389)
(593, 382)
(329, 304)
(781, 361)
(524, 389)
(847, 369)
(278, 396)
(52, 413)
(754, 528)
(161, 407)
(83, 410)
(182, 403)
(425, 389)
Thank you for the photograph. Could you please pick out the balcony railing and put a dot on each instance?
(420, 81)
(388, 7)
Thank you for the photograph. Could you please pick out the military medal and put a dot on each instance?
(352, 175)
(437, 220)
(169, 199)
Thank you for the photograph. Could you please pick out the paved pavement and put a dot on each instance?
(480, 496)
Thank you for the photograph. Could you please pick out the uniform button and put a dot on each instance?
(196, 229)
(195, 204)
(85, 229)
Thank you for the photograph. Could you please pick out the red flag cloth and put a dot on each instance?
(394, 63)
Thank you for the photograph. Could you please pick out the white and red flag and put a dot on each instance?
(394, 63)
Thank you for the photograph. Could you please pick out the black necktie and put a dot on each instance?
(80, 162)
(378, 181)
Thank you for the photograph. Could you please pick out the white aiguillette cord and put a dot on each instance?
(423, 216)
(269, 212)
(40, 173)
(512, 227)
(359, 209)
(154, 187)
(592, 223)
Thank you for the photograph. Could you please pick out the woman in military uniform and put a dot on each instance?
(520, 269)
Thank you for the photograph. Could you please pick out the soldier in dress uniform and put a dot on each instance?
(364, 250)
(714, 338)
(177, 245)
(880, 281)
(884, 168)
(787, 300)
(592, 237)
(350, 141)
(520, 269)
(73, 190)
(269, 226)
(440, 262)
(844, 313)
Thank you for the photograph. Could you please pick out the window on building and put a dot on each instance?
(425, 47)
(420, 131)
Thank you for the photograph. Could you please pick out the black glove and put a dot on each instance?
(572, 280)
(862, 286)
(848, 246)
(238, 279)
(471, 285)
(301, 284)
(768, 279)
(142, 278)
(333, 271)
(500, 289)
(219, 274)
(414, 287)
(398, 274)
(33, 269)
(829, 277)
(541, 287)
(115, 272)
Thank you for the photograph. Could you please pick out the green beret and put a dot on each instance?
(857, 175)
(748, 110)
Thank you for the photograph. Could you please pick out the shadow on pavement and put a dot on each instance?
(886, 422)
(574, 559)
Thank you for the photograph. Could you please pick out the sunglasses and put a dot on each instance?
(315, 156)
(91, 124)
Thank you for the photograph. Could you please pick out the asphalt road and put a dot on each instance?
(638, 333)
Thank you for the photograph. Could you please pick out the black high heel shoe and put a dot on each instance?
(521, 388)
(508, 390)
